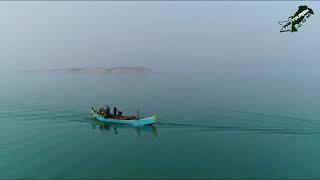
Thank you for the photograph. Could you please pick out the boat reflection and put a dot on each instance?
(115, 128)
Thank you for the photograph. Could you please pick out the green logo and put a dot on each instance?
(294, 22)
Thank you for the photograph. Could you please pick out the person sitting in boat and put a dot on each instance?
(108, 110)
(119, 113)
(103, 111)
(115, 111)
(100, 111)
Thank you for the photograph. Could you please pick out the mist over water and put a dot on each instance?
(204, 120)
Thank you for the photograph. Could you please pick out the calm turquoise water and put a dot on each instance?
(211, 126)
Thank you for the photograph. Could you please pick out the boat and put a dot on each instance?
(136, 121)
(117, 128)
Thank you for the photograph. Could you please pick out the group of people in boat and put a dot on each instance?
(106, 113)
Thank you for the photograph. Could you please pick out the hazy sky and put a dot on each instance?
(184, 36)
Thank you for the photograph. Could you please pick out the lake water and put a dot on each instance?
(212, 125)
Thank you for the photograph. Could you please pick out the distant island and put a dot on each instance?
(101, 70)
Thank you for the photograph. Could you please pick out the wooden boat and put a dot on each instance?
(118, 128)
(124, 119)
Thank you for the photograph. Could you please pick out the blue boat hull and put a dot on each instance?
(143, 121)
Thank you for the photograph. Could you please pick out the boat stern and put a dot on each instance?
(147, 120)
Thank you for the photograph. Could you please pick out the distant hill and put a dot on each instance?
(101, 70)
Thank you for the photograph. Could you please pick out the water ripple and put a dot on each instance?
(238, 128)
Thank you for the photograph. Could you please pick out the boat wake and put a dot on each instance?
(218, 128)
